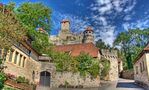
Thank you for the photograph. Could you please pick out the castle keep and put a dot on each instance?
(66, 37)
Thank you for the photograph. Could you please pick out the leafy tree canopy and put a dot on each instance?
(10, 27)
(131, 43)
(34, 15)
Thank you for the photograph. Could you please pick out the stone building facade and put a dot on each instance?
(141, 67)
(22, 60)
(115, 63)
(66, 37)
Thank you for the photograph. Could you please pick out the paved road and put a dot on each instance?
(122, 84)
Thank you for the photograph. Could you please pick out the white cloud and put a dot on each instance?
(105, 8)
(126, 26)
(107, 34)
(132, 4)
(144, 23)
(103, 20)
(103, 1)
(108, 10)
(127, 17)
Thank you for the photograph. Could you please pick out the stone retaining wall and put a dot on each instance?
(74, 79)
(128, 74)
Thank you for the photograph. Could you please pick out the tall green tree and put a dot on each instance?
(11, 30)
(36, 15)
(10, 27)
(131, 43)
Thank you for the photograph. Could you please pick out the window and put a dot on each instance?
(136, 69)
(10, 55)
(20, 60)
(140, 67)
(23, 61)
(143, 65)
(15, 59)
(33, 75)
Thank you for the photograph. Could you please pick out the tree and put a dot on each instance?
(131, 43)
(87, 65)
(11, 31)
(35, 15)
(100, 44)
(10, 28)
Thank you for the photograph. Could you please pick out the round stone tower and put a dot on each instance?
(88, 35)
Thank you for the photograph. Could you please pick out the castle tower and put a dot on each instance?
(65, 24)
(64, 31)
(88, 35)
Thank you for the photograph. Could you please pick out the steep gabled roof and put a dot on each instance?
(76, 49)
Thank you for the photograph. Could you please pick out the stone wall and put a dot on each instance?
(128, 74)
(113, 73)
(74, 79)
(111, 55)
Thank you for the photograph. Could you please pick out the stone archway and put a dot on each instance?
(45, 78)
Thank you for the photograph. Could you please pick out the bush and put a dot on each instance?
(87, 65)
(66, 84)
(106, 67)
(2, 79)
(22, 80)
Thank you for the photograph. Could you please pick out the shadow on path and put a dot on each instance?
(127, 85)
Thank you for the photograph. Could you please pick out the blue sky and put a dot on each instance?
(106, 17)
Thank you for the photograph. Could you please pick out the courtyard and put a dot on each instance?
(122, 84)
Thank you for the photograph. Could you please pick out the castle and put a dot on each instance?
(66, 37)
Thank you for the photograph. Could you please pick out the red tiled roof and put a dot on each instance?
(76, 49)
(141, 53)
